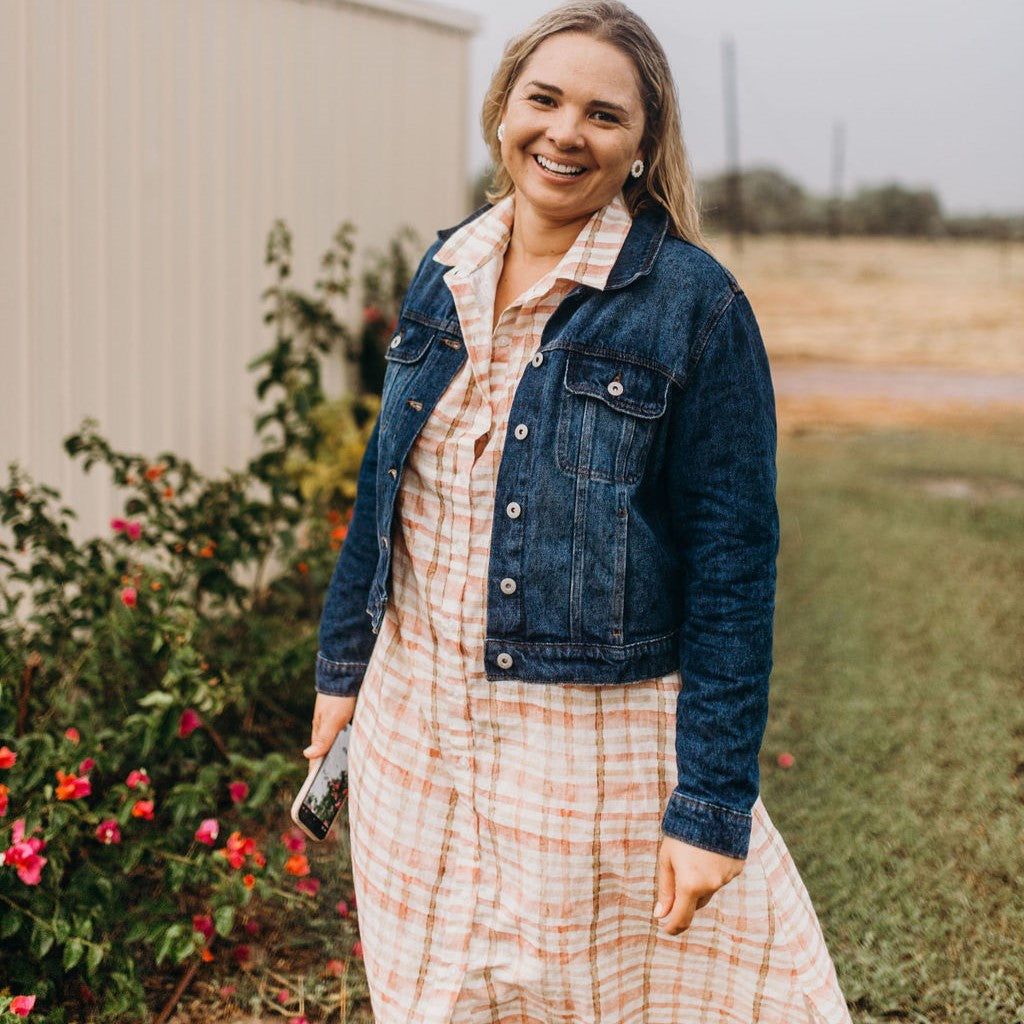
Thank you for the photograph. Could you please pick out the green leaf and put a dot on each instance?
(156, 699)
(170, 936)
(9, 924)
(224, 920)
(95, 955)
(41, 941)
(73, 953)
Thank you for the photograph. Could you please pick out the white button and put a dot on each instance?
(383, 542)
(508, 585)
(513, 510)
(615, 388)
(538, 359)
(521, 431)
(504, 660)
(396, 341)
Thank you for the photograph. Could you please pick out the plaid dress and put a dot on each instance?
(505, 834)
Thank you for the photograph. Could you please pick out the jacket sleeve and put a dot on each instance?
(722, 488)
(346, 637)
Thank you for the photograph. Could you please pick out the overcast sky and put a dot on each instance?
(931, 92)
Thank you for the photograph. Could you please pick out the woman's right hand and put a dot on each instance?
(330, 716)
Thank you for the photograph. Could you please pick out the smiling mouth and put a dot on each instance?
(565, 170)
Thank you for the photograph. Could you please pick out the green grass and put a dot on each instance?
(899, 688)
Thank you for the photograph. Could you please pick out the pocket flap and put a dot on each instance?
(409, 342)
(624, 386)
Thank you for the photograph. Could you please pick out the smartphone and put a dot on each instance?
(323, 794)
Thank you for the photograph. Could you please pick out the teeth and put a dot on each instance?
(550, 165)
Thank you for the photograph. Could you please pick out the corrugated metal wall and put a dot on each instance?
(146, 146)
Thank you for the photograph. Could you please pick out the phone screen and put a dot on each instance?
(324, 794)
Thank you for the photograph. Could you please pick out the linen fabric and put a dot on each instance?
(504, 834)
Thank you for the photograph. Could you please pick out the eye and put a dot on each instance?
(606, 116)
(543, 99)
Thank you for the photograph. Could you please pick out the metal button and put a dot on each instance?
(521, 431)
(504, 660)
(538, 359)
(513, 510)
(615, 389)
(383, 542)
(508, 585)
(393, 473)
(396, 341)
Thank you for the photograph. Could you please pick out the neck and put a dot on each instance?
(538, 239)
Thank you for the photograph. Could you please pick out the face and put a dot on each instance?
(573, 125)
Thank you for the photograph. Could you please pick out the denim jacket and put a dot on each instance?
(636, 512)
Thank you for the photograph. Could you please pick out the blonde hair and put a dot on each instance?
(667, 181)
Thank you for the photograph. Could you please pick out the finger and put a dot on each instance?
(681, 914)
(330, 716)
(666, 884)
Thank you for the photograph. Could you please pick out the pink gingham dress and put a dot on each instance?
(505, 834)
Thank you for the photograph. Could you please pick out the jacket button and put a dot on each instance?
(396, 341)
(504, 660)
(383, 542)
(537, 359)
(615, 388)
(508, 585)
(521, 431)
(513, 510)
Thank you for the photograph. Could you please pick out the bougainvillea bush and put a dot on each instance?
(155, 685)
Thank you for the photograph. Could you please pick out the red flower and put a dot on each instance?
(249, 881)
(72, 787)
(155, 472)
(143, 809)
(303, 567)
(237, 849)
(342, 908)
(71, 735)
(357, 950)
(297, 864)
(7, 757)
(203, 924)
(786, 760)
(335, 968)
(208, 831)
(227, 991)
(241, 954)
(3, 799)
(238, 790)
(259, 860)
(208, 550)
(188, 723)
(137, 777)
(108, 832)
(126, 526)
(294, 840)
(21, 1006)
(86, 766)
(23, 854)
(283, 996)
(297, 1020)
(252, 927)
(310, 886)
(205, 955)
(130, 597)
(372, 315)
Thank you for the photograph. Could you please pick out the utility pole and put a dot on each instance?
(835, 206)
(733, 189)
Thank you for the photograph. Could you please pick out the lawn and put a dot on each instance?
(898, 687)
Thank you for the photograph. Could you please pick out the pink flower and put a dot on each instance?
(3, 799)
(357, 950)
(208, 831)
(335, 968)
(72, 787)
(310, 886)
(241, 954)
(238, 790)
(203, 924)
(786, 760)
(143, 809)
(108, 832)
(283, 996)
(130, 597)
(252, 927)
(137, 777)
(21, 1006)
(342, 908)
(188, 723)
(294, 840)
(7, 757)
(23, 854)
(127, 526)
(237, 849)
(227, 991)
(71, 735)
(297, 1020)
(86, 766)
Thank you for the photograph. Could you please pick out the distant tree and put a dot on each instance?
(772, 202)
(893, 209)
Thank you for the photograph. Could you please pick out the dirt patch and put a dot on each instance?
(965, 488)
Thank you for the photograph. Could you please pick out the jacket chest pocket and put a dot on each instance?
(404, 357)
(608, 412)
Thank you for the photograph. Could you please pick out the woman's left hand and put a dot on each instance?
(687, 879)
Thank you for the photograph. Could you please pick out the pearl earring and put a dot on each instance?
(501, 132)
(637, 169)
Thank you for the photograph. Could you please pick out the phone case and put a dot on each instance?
(323, 793)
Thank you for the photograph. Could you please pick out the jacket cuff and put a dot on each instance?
(339, 678)
(708, 826)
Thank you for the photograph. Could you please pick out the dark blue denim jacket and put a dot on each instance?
(636, 512)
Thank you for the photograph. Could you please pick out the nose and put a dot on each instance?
(564, 129)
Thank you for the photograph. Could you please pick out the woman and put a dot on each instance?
(556, 596)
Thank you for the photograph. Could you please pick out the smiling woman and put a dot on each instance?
(555, 598)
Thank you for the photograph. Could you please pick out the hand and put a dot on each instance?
(330, 716)
(687, 879)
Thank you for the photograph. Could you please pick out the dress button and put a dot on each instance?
(504, 660)
(513, 510)
(521, 431)
(615, 388)
(537, 359)
(508, 585)
(396, 341)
